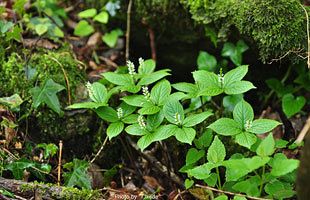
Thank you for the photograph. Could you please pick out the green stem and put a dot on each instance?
(218, 178)
(262, 181)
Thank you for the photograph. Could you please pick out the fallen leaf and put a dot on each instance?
(43, 43)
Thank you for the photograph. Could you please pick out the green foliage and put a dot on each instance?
(77, 174)
(275, 26)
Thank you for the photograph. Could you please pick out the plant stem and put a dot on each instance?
(128, 30)
(218, 178)
(262, 181)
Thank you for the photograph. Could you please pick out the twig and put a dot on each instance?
(297, 52)
(66, 79)
(308, 35)
(128, 30)
(59, 162)
(101, 148)
(159, 166)
(303, 132)
(152, 39)
(227, 192)
(108, 62)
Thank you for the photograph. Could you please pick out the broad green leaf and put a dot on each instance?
(49, 149)
(111, 38)
(83, 28)
(260, 126)
(13, 102)
(135, 129)
(249, 186)
(119, 79)
(225, 126)
(279, 87)
(77, 176)
(86, 105)
(107, 113)
(279, 190)
(229, 102)
(164, 132)
(237, 168)
(185, 135)
(228, 49)
(193, 155)
(279, 144)
(114, 129)
(204, 140)
(160, 92)
(147, 67)
(149, 109)
(195, 119)
(201, 172)
(153, 77)
(130, 119)
(242, 46)
(266, 147)
(18, 167)
(221, 197)
(188, 183)
(88, 13)
(135, 100)
(126, 109)
(243, 113)
(210, 91)
(292, 105)
(216, 152)
(187, 88)
(236, 197)
(207, 82)
(173, 111)
(206, 61)
(47, 95)
(5, 26)
(131, 88)
(41, 28)
(145, 141)
(153, 121)
(246, 139)
(211, 180)
(235, 75)
(238, 87)
(281, 165)
(102, 17)
(97, 92)
(177, 96)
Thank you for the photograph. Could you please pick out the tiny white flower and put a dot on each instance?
(120, 113)
(145, 92)
(141, 122)
(131, 68)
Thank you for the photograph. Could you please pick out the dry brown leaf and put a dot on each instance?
(94, 39)
(43, 43)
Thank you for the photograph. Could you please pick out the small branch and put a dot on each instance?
(303, 132)
(128, 30)
(308, 35)
(152, 40)
(229, 193)
(101, 148)
(59, 163)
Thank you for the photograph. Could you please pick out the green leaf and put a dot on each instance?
(242, 113)
(206, 61)
(281, 165)
(118, 79)
(97, 92)
(185, 135)
(229, 102)
(41, 28)
(236, 197)
(211, 180)
(279, 87)
(147, 67)
(238, 87)
(225, 126)
(242, 46)
(77, 176)
(153, 77)
(260, 126)
(201, 172)
(237, 168)
(195, 119)
(114, 129)
(188, 183)
(246, 139)
(204, 140)
(190, 88)
(193, 155)
(18, 167)
(160, 92)
(102, 17)
(47, 95)
(216, 152)
(164, 132)
(145, 141)
(173, 109)
(86, 105)
(249, 186)
(279, 190)
(266, 147)
(111, 38)
(292, 105)
(49, 149)
(149, 109)
(88, 13)
(221, 197)
(83, 28)
(13, 102)
(107, 113)
(153, 121)
(130, 119)
(135, 129)
(235, 75)
(208, 84)
(135, 100)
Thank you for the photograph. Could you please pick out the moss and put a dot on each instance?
(275, 26)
